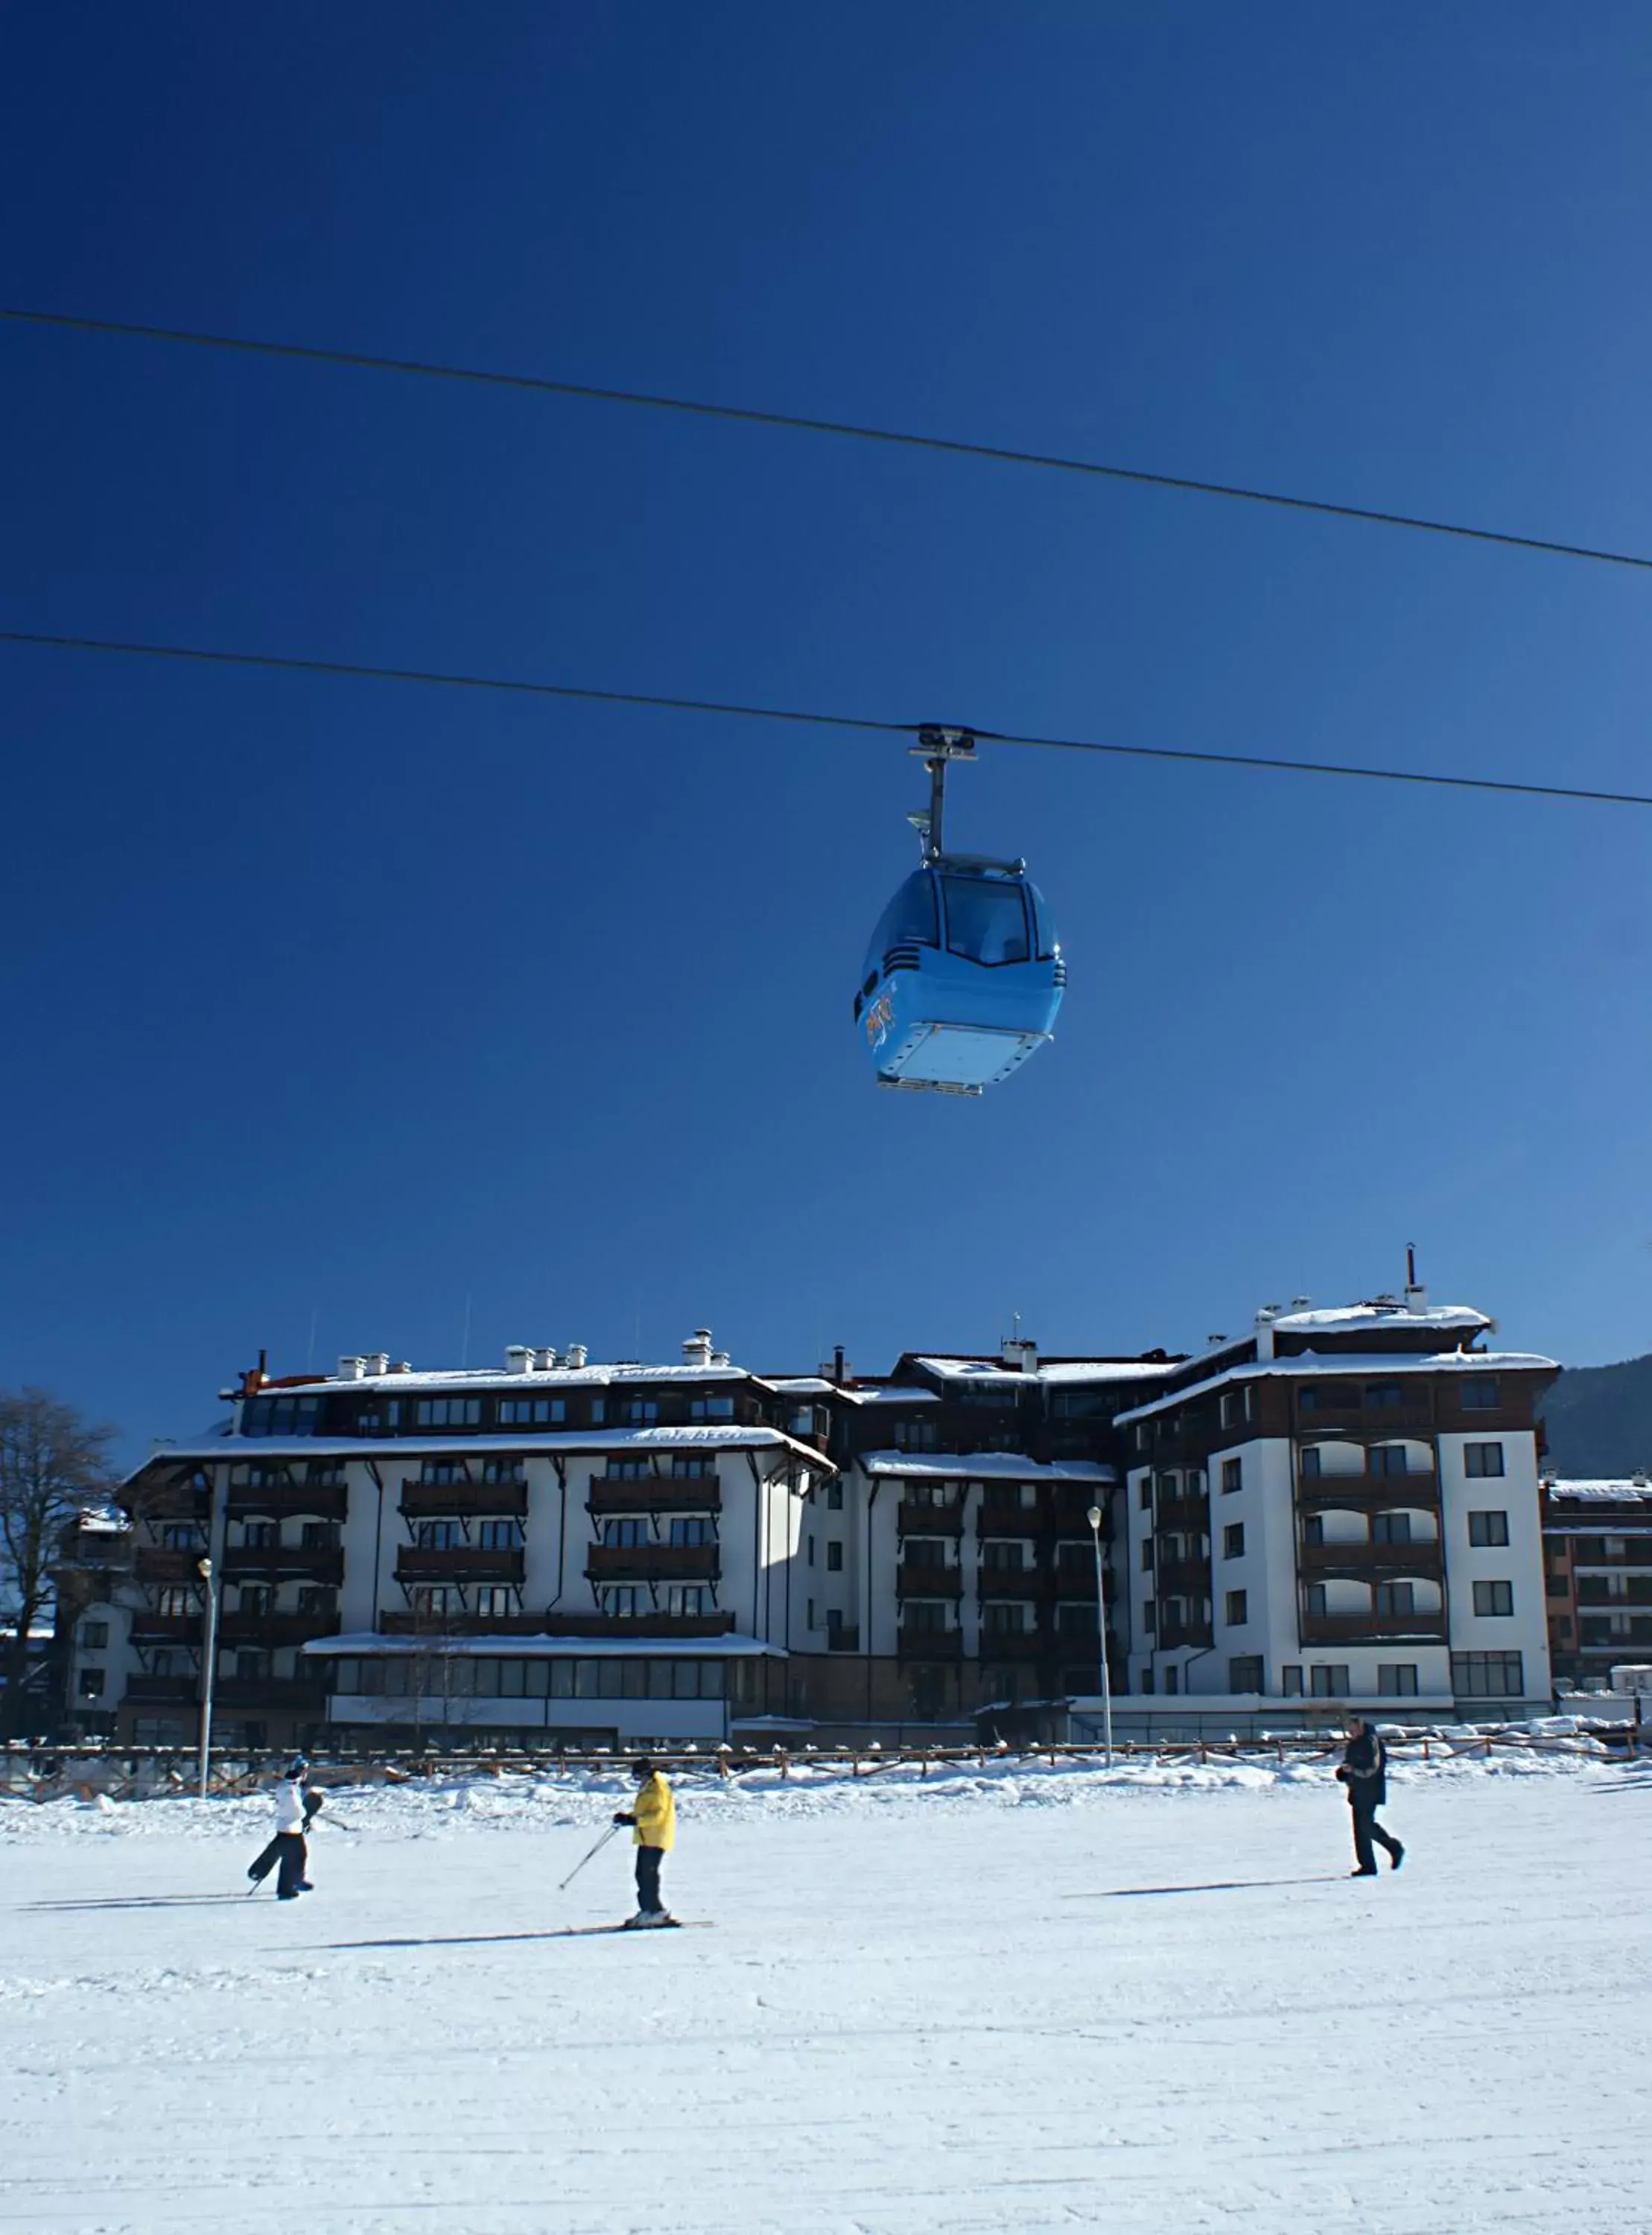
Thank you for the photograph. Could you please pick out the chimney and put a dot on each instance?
(545, 1361)
(349, 1369)
(839, 1370)
(697, 1349)
(519, 1359)
(1416, 1293)
(1019, 1354)
(720, 1358)
(1266, 1319)
(376, 1361)
(574, 1355)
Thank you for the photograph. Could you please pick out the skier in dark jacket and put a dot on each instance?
(1364, 1775)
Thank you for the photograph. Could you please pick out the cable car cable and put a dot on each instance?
(660, 702)
(1095, 468)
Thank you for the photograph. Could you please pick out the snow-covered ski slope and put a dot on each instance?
(1022, 2001)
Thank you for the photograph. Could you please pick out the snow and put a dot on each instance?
(719, 1435)
(980, 1466)
(1017, 1999)
(1631, 1491)
(1377, 1366)
(1382, 1312)
(727, 1645)
(1064, 1369)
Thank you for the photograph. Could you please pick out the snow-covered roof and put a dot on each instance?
(507, 1380)
(364, 1644)
(101, 1521)
(718, 1436)
(1347, 1365)
(798, 1385)
(1380, 1312)
(983, 1466)
(1631, 1490)
(1056, 1370)
(891, 1392)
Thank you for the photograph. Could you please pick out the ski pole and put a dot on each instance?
(583, 1859)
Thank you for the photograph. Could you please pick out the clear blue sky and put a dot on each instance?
(355, 1002)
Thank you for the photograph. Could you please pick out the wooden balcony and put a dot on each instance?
(305, 1695)
(686, 1494)
(1364, 1561)
(846, 1638)
(314, 1564)
(653, 1564)
(1172, 1634)
(1176, 1514)
(1030, 1582)
(927, 1579)
(1366, 1493)
(156, 1691)
(172, 1501)
(459, 1563)
(917, 1517)
(1006, 1516)
(930, 1644)
(160, 1563)
(284, 1629)
(169, 1629)
(1365, 1423)
(1016, 1644)
(462, 1500)
(1189, 1578)
(304, 1501)
(1372, 1628)
(1609, 1591)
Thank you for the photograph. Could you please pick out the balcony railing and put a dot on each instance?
(1005, 1516)
(657, 1563)
(307, 1693)
(915, 1516)
(1186, 1511)
(1016, 1644)
(163, 1564)
(846, 1638)
(173, 1690)
(553, 1623)
(462, 1499)
(1030, 1582)
(1172, 1634)
(925, 1579)
(286, 1628)
(315, 1564)
(1365, 1422)
(1184, 1578)
(309, 1501)
(1371, 1629)
(459, 1563)
(168, 1629)
(1359, 1493)
(661, 1494)
(1597, 1591)
(1418, 1559)
(930, 1644)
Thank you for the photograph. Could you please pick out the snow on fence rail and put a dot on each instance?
(144, 1772)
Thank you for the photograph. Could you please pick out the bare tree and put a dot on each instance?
(53, 1461)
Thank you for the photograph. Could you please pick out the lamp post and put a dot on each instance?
(1094, 1517)
(209, 1667)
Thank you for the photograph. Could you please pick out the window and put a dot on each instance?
(184, 1537)
(1313, 1529)
(1238, 1404)
(253, 1665)
(1398, 1680)
(1491, 1528)
(1310, 1464)
(629, 1471)
(443, 1470)
(834, 1498)
(625, 1599)
(1329, 1680)
(432, 1599)
(1004, 1617)
(436, 1536)
(923, 1615)
(1232, 1476)
(1479, 1393)
(501, 1471)
(1150, 1616)
(834, 1556)
(712, 1408)
(91, 1683)
(1381, 1395)
(812, 1623)
(1558, 1586)
(319, 1537)
(159, 1662)
(690, 1468)
(697, 1528)
(496, 1536)
(808, 1553)
(1314, 1599)
(261, 1535)
(1168, 1486)
(177, 1602)
(923, 1552)
(1493, 1598)
(1147, 1554)
(1390, 1527)
(1487, 1675)
(917, 1435)
(598, 1411)
(448, 1412)
(1196, 1482)
(1148, 1679)
(1480, 1461)
(1244, 1673)
(94, 1635)
(1233, 1540)
(1326, 1397)
(314, 1599)
(688, 1598)
(1172, 1681)
(494, 1599)
(1144, 1495)
(280, 1416)
(1291, 1682)
(1392, 1599)
(1075, 1620)
(1238, 1610)
(1005, 1555)
(257, 1598)
(1388, 1459)
(835, 1618)
(640, 1411)
(629, 1530)
(532, 1411)
(986, 920)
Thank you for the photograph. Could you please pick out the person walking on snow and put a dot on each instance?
(1364, 1775)
(654, 1821)
(295, 1805)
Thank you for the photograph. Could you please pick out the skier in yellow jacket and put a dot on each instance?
(655, 1820)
